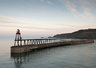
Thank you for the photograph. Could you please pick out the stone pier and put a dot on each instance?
(26, 45)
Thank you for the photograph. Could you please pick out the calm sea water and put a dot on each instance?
(74, 56)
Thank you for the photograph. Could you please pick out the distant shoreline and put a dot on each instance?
(80, 34)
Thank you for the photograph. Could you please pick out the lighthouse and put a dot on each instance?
(18, 38)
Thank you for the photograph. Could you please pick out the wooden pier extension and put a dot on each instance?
(25, 45)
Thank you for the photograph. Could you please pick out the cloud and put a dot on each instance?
(49, 2)
(81, 8)
(6, 19)
(42, 0)
(85, 2)
(10, 22)
(88, 14)
(70, 6)
(40, 27)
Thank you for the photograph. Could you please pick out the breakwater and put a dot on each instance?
(26, 45)
(43, 43)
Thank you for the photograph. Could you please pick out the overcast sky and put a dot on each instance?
(46, 17)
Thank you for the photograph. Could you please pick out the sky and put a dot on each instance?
(37, 18)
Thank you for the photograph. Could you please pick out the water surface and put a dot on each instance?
(74, 56)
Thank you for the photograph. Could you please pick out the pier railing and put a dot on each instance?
(23, 42)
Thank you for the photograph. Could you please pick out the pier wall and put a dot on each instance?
(27, 48)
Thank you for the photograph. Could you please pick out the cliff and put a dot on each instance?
(81, 34)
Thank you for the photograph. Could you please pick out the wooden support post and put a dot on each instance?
(38, 42)
(27, 42)
(24, 42)
(48, 41)
(42, 41)
(32, 41)
(54, 40)
(20, 42)
(35, 41)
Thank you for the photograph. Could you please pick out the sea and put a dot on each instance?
(71, 56)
